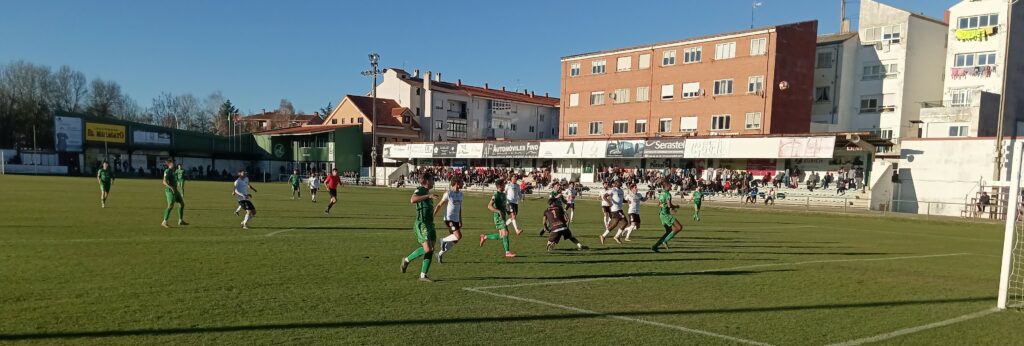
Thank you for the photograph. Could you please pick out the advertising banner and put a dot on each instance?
(470, 151)
(396, 151)
(561, 150)
(109, 133)
(512, 150)
(68, 133)
(152, 138)
(732, 148)
(421, 151)
(445, 150)
(624, 149)
(665, 148)
(807, 147)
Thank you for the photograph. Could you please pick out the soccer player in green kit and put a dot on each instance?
(698, 197)
(173, 195)
(672, 226)
(179, 178)
(499, 206)
(295, 181)
(105, 178)
(423, 226)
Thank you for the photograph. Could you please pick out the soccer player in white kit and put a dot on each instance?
(606, 205)
(514, 195)
(314, 185)
(570, 201)
(452, 202)
(241, 192)
(616, 216)
(634, 198)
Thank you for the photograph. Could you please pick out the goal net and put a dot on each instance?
(1011, 276)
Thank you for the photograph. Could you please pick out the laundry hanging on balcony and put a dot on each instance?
(978, 34)
(975, 71)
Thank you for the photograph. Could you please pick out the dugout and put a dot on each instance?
(311, 148)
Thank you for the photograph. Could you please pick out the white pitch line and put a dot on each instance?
(722, 269)
(271, 234)
(624, 318)
(912, 330)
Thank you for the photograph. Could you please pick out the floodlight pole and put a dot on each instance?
(997, 172)
(374, 60)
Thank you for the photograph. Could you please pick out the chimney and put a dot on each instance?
(525, 93)
(316, 114)
(416, 73)
(487, 87)
(532, 94)
(264, 111)
(458, 82)
(426, 80)
(546, 95)
(502, 88)
(437, 77)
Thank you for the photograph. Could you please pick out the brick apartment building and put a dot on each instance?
(750, 82)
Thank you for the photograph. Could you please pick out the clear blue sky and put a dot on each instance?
(311, 52)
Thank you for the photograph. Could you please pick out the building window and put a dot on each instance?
(665, 125)
(596, 127)
(886, 134)
(620, 95)
(645, 61)
(752, 121)
(725, 51)
(877, 72)
(667, 91)
(532, 128)
(824, 60)
(758, 46)
(457, 128)
(334, 121)
(975, 59)
(870, 104)
(597, 98)
(574, 69)
(721, 122)
(624, 63)
(691, 55)
(723, 87)
(958, 131)
(643, 94)
(822, 94)
(884, 34)
(417, 91)
(961, 97)
(691, 90)
(755, 84)
(574, 128)
(668, 58)
(688, 124)
(981, 21)
(574, 100)
(597, 67)
(641, 126)
(620, 127)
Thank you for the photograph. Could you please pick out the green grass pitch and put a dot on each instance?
(73, 273)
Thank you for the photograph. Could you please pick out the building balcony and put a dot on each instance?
(458, 114)
(972, 72)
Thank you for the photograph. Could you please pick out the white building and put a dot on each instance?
(973, 77)
(878, 80)
(897, 69)
(455, 111)
(835, 69)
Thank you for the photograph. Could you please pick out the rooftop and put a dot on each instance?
(389, 112)
(484, 92)
(833, 38)
(303, 130)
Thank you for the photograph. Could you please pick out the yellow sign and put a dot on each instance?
(104, 133)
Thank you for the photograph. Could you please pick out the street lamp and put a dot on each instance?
(374, 59)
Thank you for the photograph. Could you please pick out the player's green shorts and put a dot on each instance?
(697, 205)
(424, 231)
(499, 221)
(105, 187)
(173, 197)
(667, 220)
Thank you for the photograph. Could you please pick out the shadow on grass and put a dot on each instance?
(627, 275)
(623, 261)
(53, 335)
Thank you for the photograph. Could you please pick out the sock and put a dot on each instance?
(181, 212)
(508, 221)
(238, 209)
(662, 238)
(415, 254)
(427, 257)
(493, 236)
(515, 224)
(167, 213)
(606, 232)
(505, 243)
(618, 233)
(246, 219)
(572, 215)
(670, 236)
(451, 238)
(629, 230)
(329, 206)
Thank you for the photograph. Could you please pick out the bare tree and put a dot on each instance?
(68, 90)
(286, 107)
(104, 97)
(24, 107)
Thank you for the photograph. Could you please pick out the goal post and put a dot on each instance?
(1011, 273)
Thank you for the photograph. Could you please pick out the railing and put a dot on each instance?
(944, 104)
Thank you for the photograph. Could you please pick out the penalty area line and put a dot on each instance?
(912, 330)
(618, 317)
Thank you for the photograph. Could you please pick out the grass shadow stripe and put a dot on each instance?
(921, 328)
